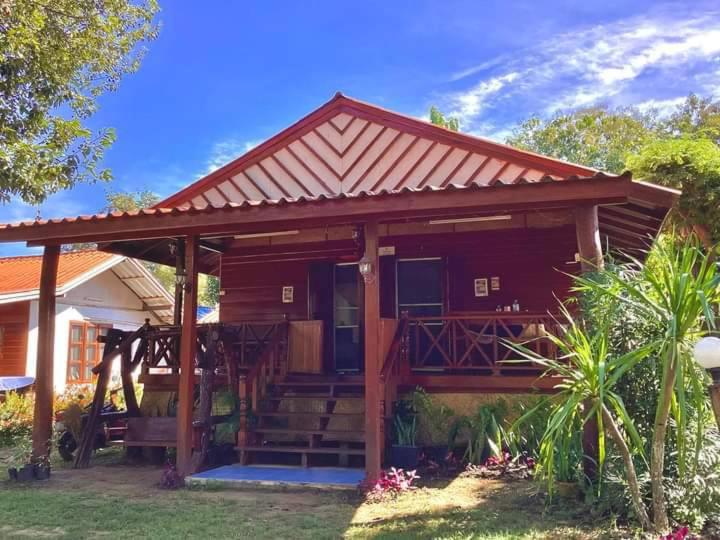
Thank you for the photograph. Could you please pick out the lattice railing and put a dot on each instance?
(466, 343)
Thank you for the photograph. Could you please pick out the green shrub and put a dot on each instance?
(483, 430)
(694, 498)
(16, 415)
(435, 418)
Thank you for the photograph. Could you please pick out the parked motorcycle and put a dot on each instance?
(111, 427)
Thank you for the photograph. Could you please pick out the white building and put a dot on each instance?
(95, 291)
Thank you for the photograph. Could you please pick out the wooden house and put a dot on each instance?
(360, 253)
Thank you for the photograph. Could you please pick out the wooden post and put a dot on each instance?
(591, 259)
(43, 412)
(373, 412)
(179, 277)
(588, 238)
(188, 345)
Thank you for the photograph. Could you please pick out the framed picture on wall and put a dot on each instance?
(481, 287)
(495, 283)
(287, 295)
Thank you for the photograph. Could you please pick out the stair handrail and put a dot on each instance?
(396, 351)
(391, 368)
(253, 384)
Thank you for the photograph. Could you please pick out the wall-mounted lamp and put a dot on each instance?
(367, 270)
(707, 354)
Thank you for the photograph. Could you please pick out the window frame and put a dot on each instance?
(84, 364)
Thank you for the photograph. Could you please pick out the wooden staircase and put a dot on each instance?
(308, 420)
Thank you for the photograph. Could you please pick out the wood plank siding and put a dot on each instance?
(529, 262)
(13, 338)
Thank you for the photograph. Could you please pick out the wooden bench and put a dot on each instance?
(151, 431)
(159, 431)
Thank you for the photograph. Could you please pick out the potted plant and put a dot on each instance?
(435, 422)
(42, 468)
(20, 469)
(405, 453)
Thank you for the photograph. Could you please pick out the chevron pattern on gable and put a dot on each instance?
(349, 154)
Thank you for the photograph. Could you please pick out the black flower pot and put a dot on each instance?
(405, 457)
(12, 474)
(42, 472)
(26, 473)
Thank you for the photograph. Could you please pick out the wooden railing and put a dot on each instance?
(255, 380)
(478, 342)
(391, 369)
(240, 346)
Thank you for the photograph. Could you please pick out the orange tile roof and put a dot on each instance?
(21, 274)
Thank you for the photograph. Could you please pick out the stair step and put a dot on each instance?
(319, 383)
(334, 433)
(303, 450)
(315, 397)
(309, 413)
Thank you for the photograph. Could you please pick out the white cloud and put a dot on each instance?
(471, 103)
(62, 204)
(223, 152)
(653, 58)
(663, 107)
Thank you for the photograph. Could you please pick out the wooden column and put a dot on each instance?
(43, 413)
(591, 259)
(179, 276)
(373, 421)
(588, 238)
(188, 346)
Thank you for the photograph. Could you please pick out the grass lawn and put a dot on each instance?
(122, 501)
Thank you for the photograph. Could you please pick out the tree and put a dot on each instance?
(597, 137)
(129, 201)
(697, 118)
(57, 57)
(692, 165)
(439, 119)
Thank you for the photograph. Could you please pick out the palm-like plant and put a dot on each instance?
(588, 375)
(678, 286)
(483, 430)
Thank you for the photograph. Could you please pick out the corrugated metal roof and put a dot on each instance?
(304, 199)
(349, 146)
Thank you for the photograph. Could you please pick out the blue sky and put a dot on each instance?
(225, 75)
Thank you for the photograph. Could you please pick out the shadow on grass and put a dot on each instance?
(473, 509)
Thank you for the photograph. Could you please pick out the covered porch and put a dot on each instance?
(353, 299)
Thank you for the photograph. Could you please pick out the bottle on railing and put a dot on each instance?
(516, 306)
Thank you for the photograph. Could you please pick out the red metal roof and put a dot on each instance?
(352, 147)
(208, 207)
(21, 274)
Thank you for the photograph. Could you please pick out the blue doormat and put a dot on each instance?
(320, 477)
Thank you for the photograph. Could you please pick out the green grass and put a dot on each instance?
(119, 501)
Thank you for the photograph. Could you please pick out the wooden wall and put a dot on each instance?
(530, 267)
(253, 292)
(529, 262)
(13, 342)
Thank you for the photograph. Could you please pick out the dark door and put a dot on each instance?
(420, 293)
(347, 331)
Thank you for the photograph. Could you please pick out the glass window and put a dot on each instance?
(84, 351)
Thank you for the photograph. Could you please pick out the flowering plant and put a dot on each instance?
(682, 533)
(390, 484)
